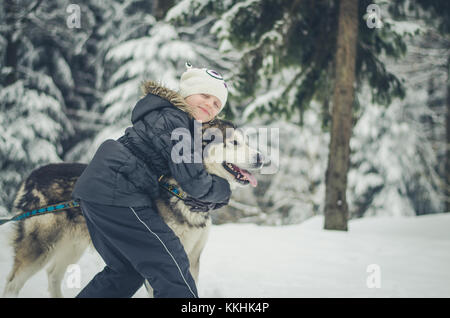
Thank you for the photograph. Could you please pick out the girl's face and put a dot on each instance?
(206, 107)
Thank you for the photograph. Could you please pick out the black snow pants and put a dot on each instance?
(136, 244)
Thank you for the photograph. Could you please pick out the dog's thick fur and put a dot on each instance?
(60, 239)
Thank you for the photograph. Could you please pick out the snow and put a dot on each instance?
(303, 260)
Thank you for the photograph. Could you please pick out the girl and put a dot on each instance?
(117, 190)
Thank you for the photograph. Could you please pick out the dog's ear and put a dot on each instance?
(216, 123)
(211, 135)
(227, 123)
(222, 124)
(212, 123)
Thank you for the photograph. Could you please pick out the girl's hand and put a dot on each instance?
(196, 205)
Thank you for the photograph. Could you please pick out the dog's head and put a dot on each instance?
(228, 154)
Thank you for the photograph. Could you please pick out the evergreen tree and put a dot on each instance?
(121, 21)
(32, 120)
(45, 70)
(436, 15)
(157, 52)
(285, 53)
(336, 208)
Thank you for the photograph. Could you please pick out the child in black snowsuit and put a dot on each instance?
(117, 191)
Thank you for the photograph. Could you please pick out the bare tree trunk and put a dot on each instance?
(160, 8)
(336, 209)
(447, 162)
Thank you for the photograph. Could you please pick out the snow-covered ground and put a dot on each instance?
(412, 257)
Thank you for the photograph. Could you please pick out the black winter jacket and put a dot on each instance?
(115, 176)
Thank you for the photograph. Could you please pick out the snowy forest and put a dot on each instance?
(360, 94)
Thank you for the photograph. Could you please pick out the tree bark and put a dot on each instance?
(336, 209)
(447, 161)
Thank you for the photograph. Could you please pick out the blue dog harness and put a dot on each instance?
(171, 188)
(48, 209)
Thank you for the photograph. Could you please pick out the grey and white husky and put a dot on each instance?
(60, 239)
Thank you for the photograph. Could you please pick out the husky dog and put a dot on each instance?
(60, 239)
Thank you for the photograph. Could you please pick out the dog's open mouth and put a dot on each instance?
(241, 175)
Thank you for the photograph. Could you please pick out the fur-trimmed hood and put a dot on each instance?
(157, 96)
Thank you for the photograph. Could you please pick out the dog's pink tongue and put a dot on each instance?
(250, 178)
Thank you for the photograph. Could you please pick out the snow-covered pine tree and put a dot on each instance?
(436, 43)
(48, 71)
(118, 21)
(32, 119)
(157, 52)
(392, 160)
(399, 154)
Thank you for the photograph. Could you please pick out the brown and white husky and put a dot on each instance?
(60, 239)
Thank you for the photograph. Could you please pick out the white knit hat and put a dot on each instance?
(203, 81)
